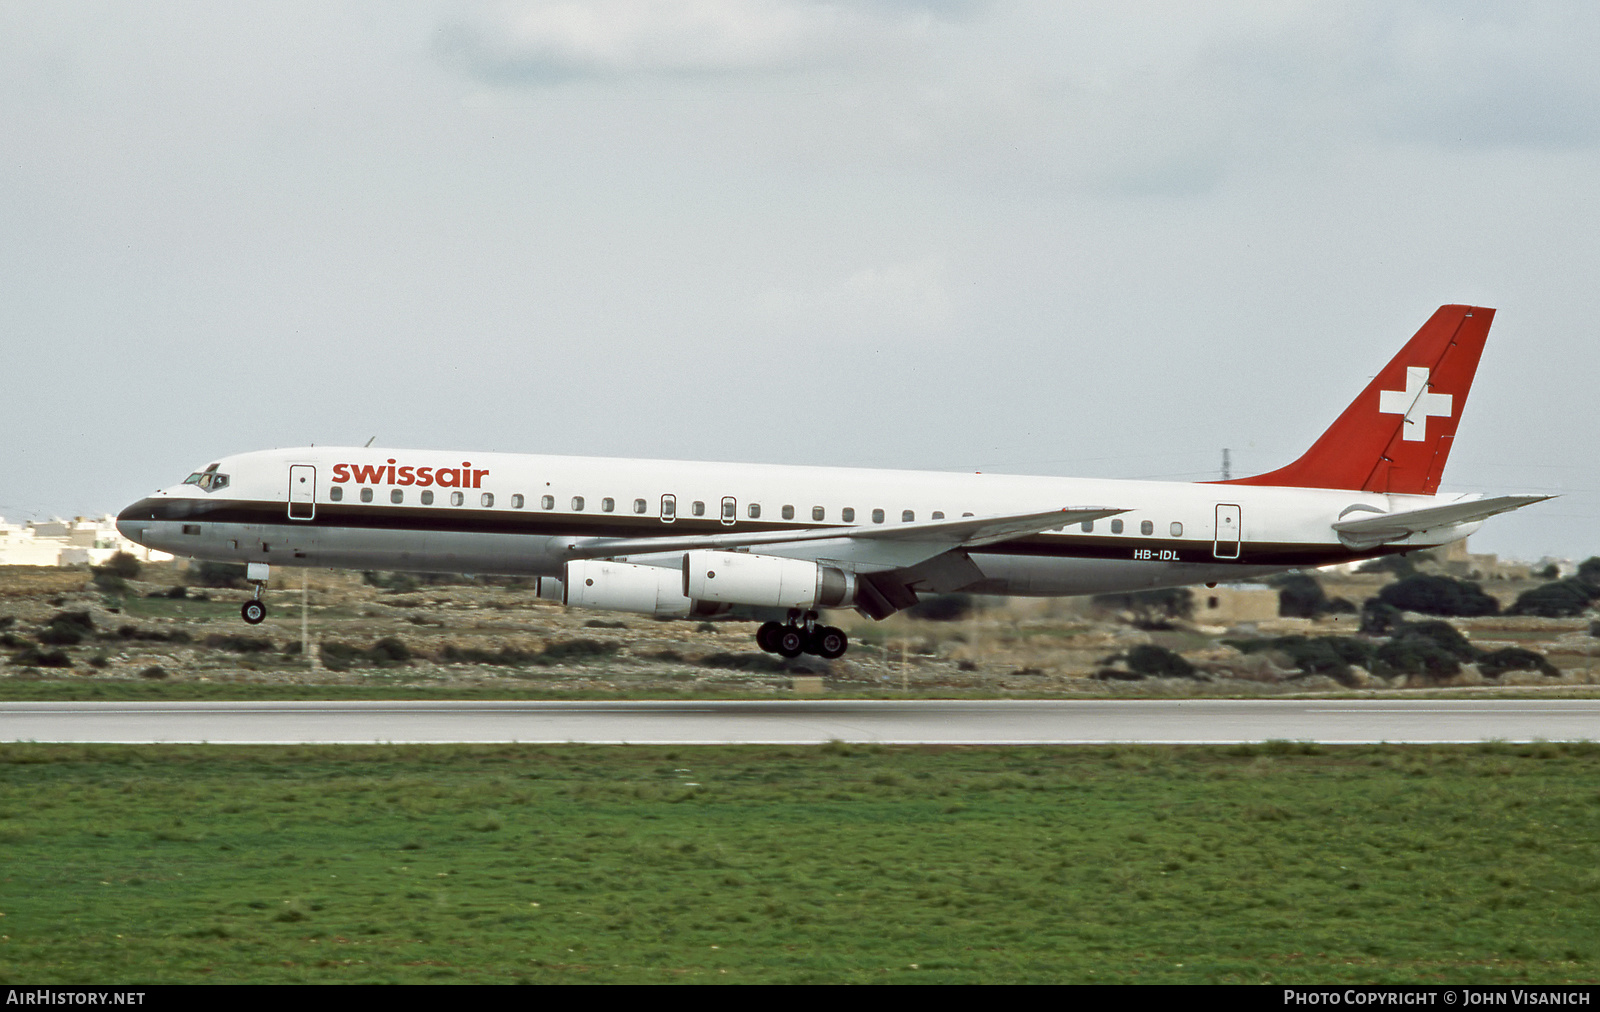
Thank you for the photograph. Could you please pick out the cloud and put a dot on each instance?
(550, 42)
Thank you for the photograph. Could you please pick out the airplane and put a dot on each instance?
(685, 539)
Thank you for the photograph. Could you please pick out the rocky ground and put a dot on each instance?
(58, 624)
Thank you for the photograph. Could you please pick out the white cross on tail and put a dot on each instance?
(1416, 402)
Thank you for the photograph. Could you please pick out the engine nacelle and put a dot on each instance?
(765, 581)
(622, 586)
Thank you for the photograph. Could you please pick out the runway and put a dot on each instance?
(934, 722)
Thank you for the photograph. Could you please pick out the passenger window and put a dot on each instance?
(397, 496)
(427, 497)
(754, 510)
(547, 502)
(908, 517)
(1177, 529)
(818, 513)
(848, 514)
(669, 508)
(697, 508)
(1116, 527)
(366, 495)
(457, 498)
(938, 514)
(577, 504)
(638, 505)
(730, 509)
(516, 501)
(1147, 527)
(607, 505)
(788, 512)
(336, 494)
(487, 499)
(877, 516)
(966, 514)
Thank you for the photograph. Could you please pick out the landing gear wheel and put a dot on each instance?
(254, 612)
(789, 642)
(830, 642)
(766, 636)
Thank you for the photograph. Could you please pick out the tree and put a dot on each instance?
(1438, 595)
(1561, 599)
(1300, 595)
(1589, 572)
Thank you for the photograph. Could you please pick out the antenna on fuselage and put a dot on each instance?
(1225, 465)
(369, 442)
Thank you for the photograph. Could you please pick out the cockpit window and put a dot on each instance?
(208, 480)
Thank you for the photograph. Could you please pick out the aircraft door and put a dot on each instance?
(1229, 524)
(302, 492)
(669, 508)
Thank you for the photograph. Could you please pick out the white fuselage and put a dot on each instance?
(433, 511)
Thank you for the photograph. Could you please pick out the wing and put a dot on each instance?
(876, 546)
(1369, 531)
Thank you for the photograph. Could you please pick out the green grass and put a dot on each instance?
(1282, 863)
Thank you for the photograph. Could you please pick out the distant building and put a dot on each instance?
(1233, 603)
(74, 542)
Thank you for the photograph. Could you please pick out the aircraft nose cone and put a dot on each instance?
(132, 520)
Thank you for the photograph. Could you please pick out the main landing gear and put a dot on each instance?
(254, 610)
(802, 635)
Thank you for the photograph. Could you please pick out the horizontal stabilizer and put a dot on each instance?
(965, 532)
(1368, 529)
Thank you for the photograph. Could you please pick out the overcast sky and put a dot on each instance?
(1079, 239)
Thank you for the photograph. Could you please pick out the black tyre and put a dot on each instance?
(831, 642)
(253, 612)
(789, 642)
(766, 636)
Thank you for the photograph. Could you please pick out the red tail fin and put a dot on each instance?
(1396, 436)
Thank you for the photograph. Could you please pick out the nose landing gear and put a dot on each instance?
(802, 635)
(254, 610)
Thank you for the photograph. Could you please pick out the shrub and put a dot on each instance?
(60, 635)
(1561, 599)
(1438, 595)
(110, 583)
(389, 651)
(121, 565)
(577, 650)
(1495, 664)
(7, 621)
(1415, 655)
(1379, 619)
(1316, 655)
(1158, 662)
(153, 671)
(33, 657)
(219, 574)
(1443, 635)
(474, 655)
(943, 608)
(240, 644)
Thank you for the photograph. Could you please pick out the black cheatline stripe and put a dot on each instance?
(538, 523)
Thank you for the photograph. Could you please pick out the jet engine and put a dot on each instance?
(622, 586)
(764, 581)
